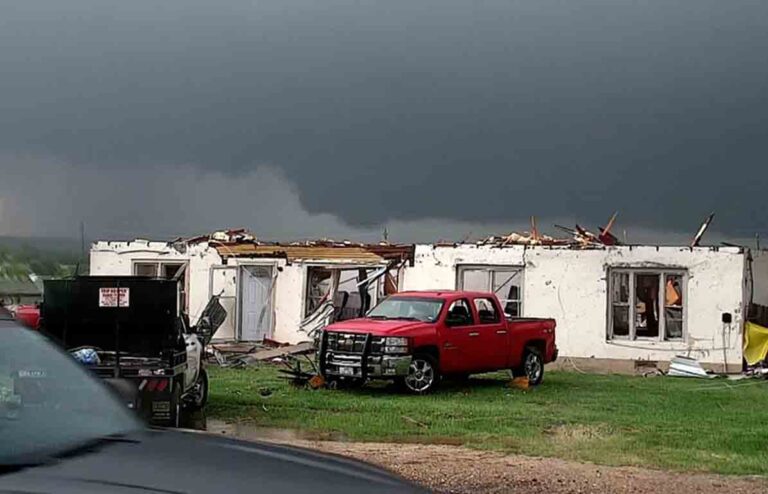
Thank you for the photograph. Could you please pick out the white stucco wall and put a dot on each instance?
(208, 275)
(571, 286)
(117, 259)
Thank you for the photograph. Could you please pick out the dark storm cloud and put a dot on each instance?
(378, 111)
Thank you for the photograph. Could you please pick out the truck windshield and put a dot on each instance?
(49, 404)
(411, 308)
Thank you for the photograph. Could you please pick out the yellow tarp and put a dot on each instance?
(756, 343)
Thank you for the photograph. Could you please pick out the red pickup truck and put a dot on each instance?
(418, 337)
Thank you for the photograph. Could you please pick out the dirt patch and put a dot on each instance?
(458, 470)
(454, 469)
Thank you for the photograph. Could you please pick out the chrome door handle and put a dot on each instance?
(474, 334)
(501, 331)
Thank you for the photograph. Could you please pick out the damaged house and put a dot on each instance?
(618, 307)
(271, 291)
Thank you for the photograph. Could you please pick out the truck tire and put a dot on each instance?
(423, 374)
(174, 418)
(532, 366)
(200, 398)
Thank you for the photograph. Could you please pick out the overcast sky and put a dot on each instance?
(436, 118)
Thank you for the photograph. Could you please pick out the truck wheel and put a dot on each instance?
(532, 366)
(423, 374)
(174, 418)
(201, 391)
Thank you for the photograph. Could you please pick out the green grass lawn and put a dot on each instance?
(672, 423)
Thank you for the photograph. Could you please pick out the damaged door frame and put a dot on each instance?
(211, 275)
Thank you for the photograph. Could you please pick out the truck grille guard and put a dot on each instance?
(354, 349)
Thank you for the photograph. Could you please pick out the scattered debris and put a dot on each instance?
(242, 354)
(280, 352)
(520, 383)
(268, 342)
(702, 229)
(299, 375)
(264, 392)
(317, 382)
(681, 366)
(648, 368)
(580, 237)
(606, 237)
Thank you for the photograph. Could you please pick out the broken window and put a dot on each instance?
(389, 284)
(647, 305)
(318, 288)
(157, 269)
(656, 309)
(620, 304)
(673, 306)
(145, 269)
(166, 270)
(341, 286)
(505, 282)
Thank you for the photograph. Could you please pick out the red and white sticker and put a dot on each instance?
(114, 297)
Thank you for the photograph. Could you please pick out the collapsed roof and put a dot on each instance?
(240, 243)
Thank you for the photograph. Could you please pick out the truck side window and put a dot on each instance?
(459, 314)
(486, 311)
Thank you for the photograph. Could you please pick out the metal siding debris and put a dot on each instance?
(681, 366)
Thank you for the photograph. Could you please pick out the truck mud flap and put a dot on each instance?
(155, 395)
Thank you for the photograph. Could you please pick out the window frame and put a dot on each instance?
(492, 270)
(159, 266)
(632, 273)
(159, 270)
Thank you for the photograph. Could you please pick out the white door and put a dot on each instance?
(255, 303)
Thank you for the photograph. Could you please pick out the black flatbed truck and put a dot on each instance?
(145, 347)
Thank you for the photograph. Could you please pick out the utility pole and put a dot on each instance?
(82, 241)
